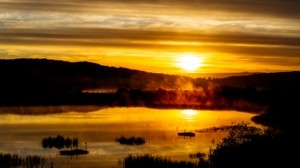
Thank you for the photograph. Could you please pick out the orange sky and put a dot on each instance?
(228, 36)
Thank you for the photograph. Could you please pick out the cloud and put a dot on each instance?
(95, 36)
(268, 16)
(276, 8)
(257, 48)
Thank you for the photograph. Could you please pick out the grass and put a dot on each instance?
(231, 127)
(59, 142)
(14, 160)
(131, 140)
(149, 161)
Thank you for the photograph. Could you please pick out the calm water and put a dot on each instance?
(22, 134)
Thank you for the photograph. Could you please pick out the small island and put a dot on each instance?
(190, 134)
(74, 152)
(60, 142)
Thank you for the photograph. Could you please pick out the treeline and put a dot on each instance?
(243, 99)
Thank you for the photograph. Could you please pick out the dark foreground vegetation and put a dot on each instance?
(245, 146)
(14, 160)
(223, 128)
(131, 140)
(149, 161)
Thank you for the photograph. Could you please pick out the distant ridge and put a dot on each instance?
(43, 74)
(220, 75)
(27, 75)
(263, 80)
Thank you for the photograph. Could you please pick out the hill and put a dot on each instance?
(34, 75)
(31, 75)
(263, 80)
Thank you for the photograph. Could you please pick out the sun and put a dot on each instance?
(189, 62)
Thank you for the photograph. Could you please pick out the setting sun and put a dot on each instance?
(189, 62)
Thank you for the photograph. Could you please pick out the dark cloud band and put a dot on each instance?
(248, 44)
(275, 8)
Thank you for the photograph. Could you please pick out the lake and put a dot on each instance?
(98, 128)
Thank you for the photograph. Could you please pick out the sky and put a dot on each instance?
(227, 36)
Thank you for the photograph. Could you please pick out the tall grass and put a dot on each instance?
(14, 160)
(130, 140)
(59, 142)
(149, 161)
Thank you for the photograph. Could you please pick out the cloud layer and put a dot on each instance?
(264, 35)
(278, 8)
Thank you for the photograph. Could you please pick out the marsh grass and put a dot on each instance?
(149, 161)
(245, 146)
(131, 140)
(14, 160)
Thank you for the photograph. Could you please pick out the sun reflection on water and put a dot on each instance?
(189, 114)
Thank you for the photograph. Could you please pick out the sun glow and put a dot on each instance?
(189, 62)
(189, 115)
(189, 112)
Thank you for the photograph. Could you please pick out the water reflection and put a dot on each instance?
(189, 114)
(23, 133)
